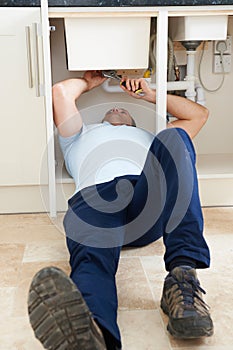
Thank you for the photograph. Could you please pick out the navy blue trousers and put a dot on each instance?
(162, 201)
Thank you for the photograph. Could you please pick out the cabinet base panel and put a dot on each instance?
(35, 199)
(213, 192)
(216, 192)
(24, 199)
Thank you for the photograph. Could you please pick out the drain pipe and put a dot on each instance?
(171, 85)
(190, 93)
(200, 94)
(110, 87)
(192, 89)
(195, 91)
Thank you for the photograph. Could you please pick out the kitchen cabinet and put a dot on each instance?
(23, 157)
(33, 58)
(214, 143)
(214, 164)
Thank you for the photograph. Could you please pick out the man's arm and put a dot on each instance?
(190, 116)
(65, 93)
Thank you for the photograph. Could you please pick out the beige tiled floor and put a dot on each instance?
(30, 242)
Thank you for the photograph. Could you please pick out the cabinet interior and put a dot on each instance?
(214, 144)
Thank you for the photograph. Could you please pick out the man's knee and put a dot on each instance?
(176, 138)
(173, 143)
(171, 134)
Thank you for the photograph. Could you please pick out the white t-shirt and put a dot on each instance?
(101, 152)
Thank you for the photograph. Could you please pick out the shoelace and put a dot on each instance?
(189, 288)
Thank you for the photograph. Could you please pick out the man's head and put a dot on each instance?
(119, 116)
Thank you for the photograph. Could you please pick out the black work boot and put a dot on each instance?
(182, 302)
(59, 315)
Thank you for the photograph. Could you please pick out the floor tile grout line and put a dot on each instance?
(137, 256)
(154, 299)
(147, 279)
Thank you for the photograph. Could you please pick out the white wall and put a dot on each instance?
(217, 134)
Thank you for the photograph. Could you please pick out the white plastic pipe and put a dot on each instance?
(190, 93)
(191, 55)
(200, 94)
(111, 88)
(171, 85)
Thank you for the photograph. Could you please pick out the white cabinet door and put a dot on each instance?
(22, 115)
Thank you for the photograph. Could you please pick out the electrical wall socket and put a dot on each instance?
(228, 42)
(220, 66)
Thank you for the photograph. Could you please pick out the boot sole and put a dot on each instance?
(189, 332)
(58, 313)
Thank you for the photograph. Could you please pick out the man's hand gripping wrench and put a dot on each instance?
(112, 74)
